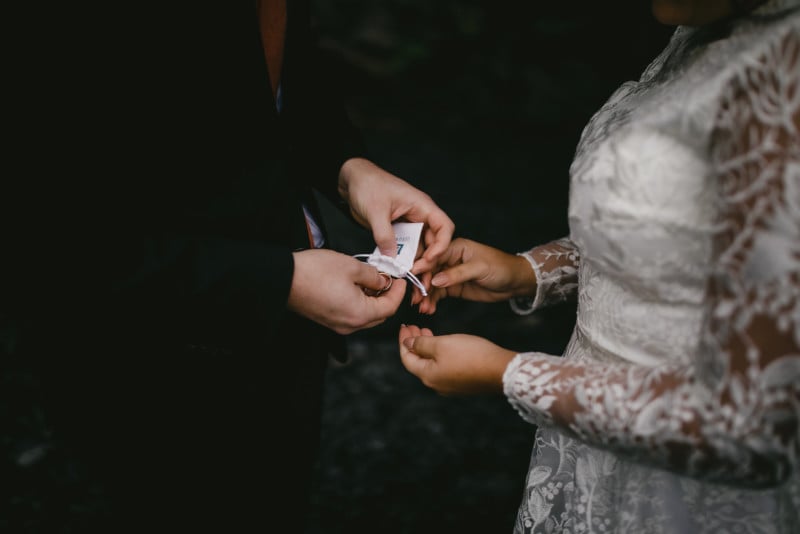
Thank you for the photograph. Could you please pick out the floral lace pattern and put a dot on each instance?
(556, 267)
(676, 406)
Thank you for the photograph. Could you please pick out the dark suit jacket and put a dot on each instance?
(150, 256)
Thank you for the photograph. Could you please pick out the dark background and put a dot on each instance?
(480, 104)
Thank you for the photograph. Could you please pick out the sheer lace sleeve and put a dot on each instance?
(556, 267)
(732, 413)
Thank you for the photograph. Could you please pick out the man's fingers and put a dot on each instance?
(439, 233)
(377, 283)
(383, 233)
(386, 303)
(432, 259)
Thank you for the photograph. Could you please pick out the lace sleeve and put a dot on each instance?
(732, 413)
(556, 267)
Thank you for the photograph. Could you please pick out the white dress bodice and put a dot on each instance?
(670, 410)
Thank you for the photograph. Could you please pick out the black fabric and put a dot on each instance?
(148, 239)
(180, 438)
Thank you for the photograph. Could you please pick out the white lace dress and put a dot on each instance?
(676, 405)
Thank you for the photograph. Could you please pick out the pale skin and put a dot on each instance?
(477, 272)
(462, 364)
(328, 287)
(458, 364)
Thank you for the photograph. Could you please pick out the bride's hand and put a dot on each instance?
(457, 364)
(477, 272)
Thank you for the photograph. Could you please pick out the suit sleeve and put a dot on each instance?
(115, 143)
(199, 289)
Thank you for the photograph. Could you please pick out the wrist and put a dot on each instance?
(297, 289)
(501, 366)
(525, 300)
(525, 276)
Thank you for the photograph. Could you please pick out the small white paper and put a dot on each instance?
(407, 235)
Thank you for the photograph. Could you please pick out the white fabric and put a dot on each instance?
(316, 232)
(407, 236)
(676, 406)
(392, 267)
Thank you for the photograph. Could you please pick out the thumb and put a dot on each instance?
(383, 233)
(422, 346)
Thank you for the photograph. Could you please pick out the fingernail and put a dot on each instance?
(439, 279)
(409, 342)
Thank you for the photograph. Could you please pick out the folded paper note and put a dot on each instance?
(407, 236)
